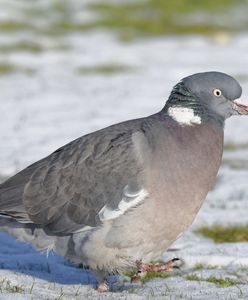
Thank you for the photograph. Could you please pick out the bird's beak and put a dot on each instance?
(239, 108)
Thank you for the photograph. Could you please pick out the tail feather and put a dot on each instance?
(14, 219)
(11, 193)
(11, 203)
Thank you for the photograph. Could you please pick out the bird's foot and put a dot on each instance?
(143, 268)
(103, 287)
(168, 266)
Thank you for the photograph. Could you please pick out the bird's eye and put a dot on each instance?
(217, 92)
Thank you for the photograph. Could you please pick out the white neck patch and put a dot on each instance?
(184, 115)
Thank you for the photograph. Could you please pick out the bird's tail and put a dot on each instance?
(13, 217)
(11, 192)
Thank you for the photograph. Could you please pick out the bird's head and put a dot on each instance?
(209, 96)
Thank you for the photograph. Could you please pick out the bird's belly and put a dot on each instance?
(144, 232)
(147, 231)
(159, 227)
(166, 213)
(163, 227)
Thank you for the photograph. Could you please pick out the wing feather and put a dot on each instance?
(65, 191)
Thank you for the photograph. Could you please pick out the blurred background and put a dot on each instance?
(71, 67)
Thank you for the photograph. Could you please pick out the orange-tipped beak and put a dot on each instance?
(241, 109)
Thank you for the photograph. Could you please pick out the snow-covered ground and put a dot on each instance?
(61, 100)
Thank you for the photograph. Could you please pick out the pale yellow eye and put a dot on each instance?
(217, 92)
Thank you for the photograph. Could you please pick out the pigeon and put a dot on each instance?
(117, 198)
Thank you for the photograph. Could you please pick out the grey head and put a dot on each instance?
(210, 96)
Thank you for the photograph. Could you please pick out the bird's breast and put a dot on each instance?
(182, 171)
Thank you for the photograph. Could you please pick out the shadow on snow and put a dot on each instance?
(22, 257)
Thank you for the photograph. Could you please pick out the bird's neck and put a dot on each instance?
(186, 109)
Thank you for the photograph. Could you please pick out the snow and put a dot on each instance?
(55, 104)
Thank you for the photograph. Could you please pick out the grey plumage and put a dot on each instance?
(126, 192)
(68, 185)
